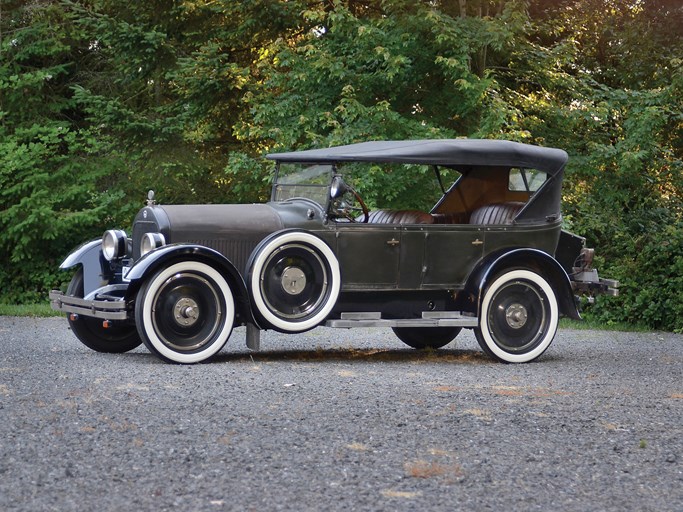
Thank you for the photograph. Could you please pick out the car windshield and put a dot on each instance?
(300, 180)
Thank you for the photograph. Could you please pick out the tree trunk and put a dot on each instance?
(463, 8)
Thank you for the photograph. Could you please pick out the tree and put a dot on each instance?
(390, 70)
(55, 184)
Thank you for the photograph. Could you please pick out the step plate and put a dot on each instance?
(429, 319)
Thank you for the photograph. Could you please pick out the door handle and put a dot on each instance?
(393, 242)
(477, 242)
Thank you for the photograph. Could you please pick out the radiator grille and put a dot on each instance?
(237, 251)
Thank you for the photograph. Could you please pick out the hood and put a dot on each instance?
(233, 229)
(208, 221)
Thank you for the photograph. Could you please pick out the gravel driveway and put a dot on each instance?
(341, 420)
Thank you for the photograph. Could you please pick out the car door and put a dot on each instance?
(450, 254)
(368, 255)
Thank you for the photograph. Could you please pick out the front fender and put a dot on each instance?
(153, 261)
(532, 259)
(88, 250)
(96, 268)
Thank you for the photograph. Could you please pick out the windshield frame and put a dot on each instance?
(281, 183)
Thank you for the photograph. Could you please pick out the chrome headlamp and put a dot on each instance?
(114, 244)
(151, 241)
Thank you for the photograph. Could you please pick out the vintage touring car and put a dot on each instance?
(490, 256)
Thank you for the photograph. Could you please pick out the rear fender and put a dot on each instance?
(531, 259)
(149, 264)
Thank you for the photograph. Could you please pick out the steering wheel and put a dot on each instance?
(337, 191)
(346, 211)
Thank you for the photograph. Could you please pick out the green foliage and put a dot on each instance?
(397, 70)
(101, 100)
(654, 248)
(56, 187)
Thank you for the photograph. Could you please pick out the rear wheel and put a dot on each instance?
(426, 337)
(91, 332)
(519, 317)
(185, 312)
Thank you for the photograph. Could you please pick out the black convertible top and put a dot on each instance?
(436, 152)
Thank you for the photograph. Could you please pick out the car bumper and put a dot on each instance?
(588, 282)
(113, 308)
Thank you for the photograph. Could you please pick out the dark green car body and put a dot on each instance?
(490, 255)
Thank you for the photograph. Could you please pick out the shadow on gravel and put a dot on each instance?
(325, 355)
(360, 355)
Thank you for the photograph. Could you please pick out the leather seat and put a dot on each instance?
(450, 218)
(499, 213)
(399, 217)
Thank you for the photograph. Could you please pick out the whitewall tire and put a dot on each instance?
(185, 312)
(294, 281)
(518, 317)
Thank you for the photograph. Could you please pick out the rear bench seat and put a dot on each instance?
(499, 213)
(450, 218)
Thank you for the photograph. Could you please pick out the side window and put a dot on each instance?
(526, 180)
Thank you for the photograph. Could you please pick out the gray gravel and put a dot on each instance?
(341, 420)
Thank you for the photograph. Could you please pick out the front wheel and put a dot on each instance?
(426, 337)
(90, 331)
(185, 312)
(518, 318)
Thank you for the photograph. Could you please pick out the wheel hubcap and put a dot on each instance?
(186, 312)
(293, 280)
(519, 318)
(516, 316)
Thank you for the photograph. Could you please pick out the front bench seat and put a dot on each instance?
(399, 217)
(498, 213)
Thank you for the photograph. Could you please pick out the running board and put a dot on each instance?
(429, 319)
